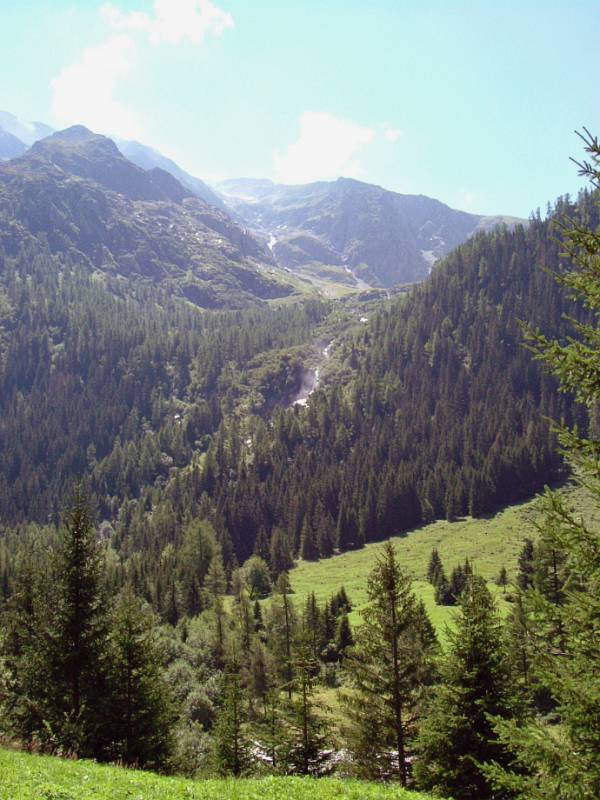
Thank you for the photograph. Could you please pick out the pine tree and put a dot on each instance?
(503, 579)
(70, 662)
(561, 760)
(308, 731)
(309, 550)
(215, 582)
(343, 637)
(385, 669)
(457, 736)
(280, 553)
(525, 565)
(282, 631)
(232, 754)
(435, 567)
(142, 712)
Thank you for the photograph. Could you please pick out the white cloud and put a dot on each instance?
(391, 134)
(468, 200)
(327, 147)
(173, 21)
(85, 92)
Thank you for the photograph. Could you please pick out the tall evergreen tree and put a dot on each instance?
(307, 753)
(231, 744)
(456, 736)
(142, 711)
(71, 658)
(385, 669)
(560, 753)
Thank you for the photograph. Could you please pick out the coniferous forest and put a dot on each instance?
(200, 393)
(148, 617)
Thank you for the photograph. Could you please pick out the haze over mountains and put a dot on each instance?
(333, 236)
(76, 194)
(381, 237)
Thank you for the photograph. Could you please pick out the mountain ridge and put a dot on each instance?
(77, 195)
(380, 236)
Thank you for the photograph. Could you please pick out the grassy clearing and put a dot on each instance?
(28, 777)
(489, 543)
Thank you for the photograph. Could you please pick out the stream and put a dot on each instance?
(310, 379)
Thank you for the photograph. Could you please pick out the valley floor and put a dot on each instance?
(29, 777)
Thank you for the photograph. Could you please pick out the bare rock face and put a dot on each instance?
(383, 237)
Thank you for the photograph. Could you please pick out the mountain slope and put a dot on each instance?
(436, 409)
(26, 132)
(10, 146)
(148, 158)
(77, 195)
(384, 238)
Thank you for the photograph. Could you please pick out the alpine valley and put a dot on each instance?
(220, 407)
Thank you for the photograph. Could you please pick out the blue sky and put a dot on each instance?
(473, 103)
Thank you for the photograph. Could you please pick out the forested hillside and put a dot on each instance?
(122, 384)
(442, 412)
(434, 408)
(117, 642)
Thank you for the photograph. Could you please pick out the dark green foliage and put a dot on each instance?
(503, 579)
(83, 679)
(125, 384)
(280, 556)
(435, 568)
(385, 670)
(457, 735)
(340, 603)
(143, 715)
(343, 637)
(525, 565)
(59, 648)
(231, 744)
(307, 730)
(448, 592)
(559, 753)
(72, 661)
(442, 413)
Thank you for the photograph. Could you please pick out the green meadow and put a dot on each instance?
(489, 543)
(30, 777)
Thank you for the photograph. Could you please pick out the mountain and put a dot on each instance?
(383, 238)
(26, 132)
(10, 146)
(432, 409)
(148, 158)
(75, 194)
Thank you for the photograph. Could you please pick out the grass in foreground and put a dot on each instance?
(28, 777)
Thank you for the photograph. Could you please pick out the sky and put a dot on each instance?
(472, 102)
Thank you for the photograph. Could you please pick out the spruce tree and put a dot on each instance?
(232, 747)
(456, 736)
(142, 712)
(71, 660)
(525, 565)
(385, 670)
(307, 753)
(559, 753)
(435, 567)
